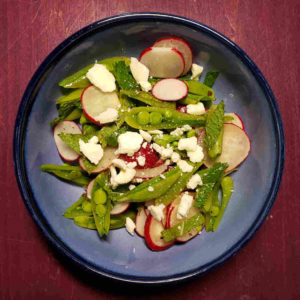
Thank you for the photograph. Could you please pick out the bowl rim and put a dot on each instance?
(25, 108)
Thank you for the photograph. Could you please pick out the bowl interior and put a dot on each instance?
(120, 254)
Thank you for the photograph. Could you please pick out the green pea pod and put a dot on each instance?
(194, 99)
(101, 211)
(123, 77)
(211, 175)
(227, 189)
(209, 221)
(74, 95)
(182, 228)
(84, 119)
(152, 188)
(177, 187)
(78, 209)
(85, 222)
(202, 195)
(74, 115)
(215, 208)
(170, 118)
(165, 139)
(216, 149)
(198, 88)
(147, 98)
(79, 80)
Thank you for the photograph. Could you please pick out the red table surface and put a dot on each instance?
(268, 267)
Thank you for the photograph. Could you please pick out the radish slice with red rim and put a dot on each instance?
(89, 189)
(236, 120)
(104, 163)
(140, 221)
(170, 89)
(181, 46)
(153, 237)
(64, 150)
(94, 102)
(151, 172)
(119, 208)
(235, 149)
(163, 62)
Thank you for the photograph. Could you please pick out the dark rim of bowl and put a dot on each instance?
(25, 108)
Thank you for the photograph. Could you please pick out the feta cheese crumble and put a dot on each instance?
(196, 71)
(180, 130)
(140, 73)
(131, 187)
(188, 144)
(150, 189)
(194, 182)
(91, 150)
(107, 116)
(126, 174)
(141, 161)
(197, 155)
(130, 226)
(129, 143)
(184, 166)
(146, 136)
(157, 211)
(175, 157)
(184, 206)
(195, 109)
(100, 77)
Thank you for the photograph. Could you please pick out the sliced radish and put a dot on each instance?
(170, 89)
(94, 102)
(151, 158)
(140, 222)
(163, 62)
(182, 47)
(119, 208)
(104, 163)
(153, 237)
(89, 189)
(236, 147)
(151, 172)
(64, 150)
(173, 220)
(236, 120)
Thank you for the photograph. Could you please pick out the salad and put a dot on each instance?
(150, 145)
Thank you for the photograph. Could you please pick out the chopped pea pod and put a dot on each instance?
(74, 95)
(198, 88)
(147, 98)
(227, 189)
(182, 228)
(194, 99)
(170, 119)
(216, 149)
(76, 209)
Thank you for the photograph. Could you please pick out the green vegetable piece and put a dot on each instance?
(191, 133)
(155, 118)
(143, 118)
(216, 149)
(83, 119)
(214, 211)
(165, 139)
(177, 187)
(209, 221)
(100, 210)
(79, 80)
(198, 88)
(210, 78)
(76, 209)
(147, 98)
(100, 197)
(194, 99)
(227, 189)
(168, 114)
(182, 228)
(202, 195)
(74, 115)
(73, 140)
(227, 119)
(85, 222)
(74, 95)
(87, 206)
(124, 77)
(150, 189)
(213, 126)
(213, 174)
(178, 119)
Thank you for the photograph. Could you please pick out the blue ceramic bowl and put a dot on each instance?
(243, 88)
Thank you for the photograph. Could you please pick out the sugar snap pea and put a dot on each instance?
(170, 118)
(182, 228)
(76, 209)
(198, 88)
(74, 95)
(194, 99)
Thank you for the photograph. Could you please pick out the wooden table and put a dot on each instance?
(268, 267)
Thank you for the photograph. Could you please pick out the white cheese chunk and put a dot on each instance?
(91, 150)
(175, 157)
(184, 206)
(139, 180)
(124, 176)
(197, 155)
(130, 226)
(94, 140)
(188, 144)
(162, 176)
(100, 77)
(146, 136)
(107, 116)
(131, 187)
(129, 143)
(141, 160)
(184, 166)
(157, 211)
(186, 127)
(196, 71)
(150, 189)
(195, 109)
(157, 148)
(144, 145)
(119, 163)
(166, 152)
(179, 131)
(194, 182)
(140, 73)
